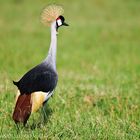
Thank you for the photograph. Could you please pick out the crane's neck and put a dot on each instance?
(51, 58)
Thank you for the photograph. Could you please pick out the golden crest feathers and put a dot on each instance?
(51, 13)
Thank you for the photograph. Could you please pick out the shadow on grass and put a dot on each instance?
(39, 122)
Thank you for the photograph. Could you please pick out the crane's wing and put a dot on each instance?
(40, 78)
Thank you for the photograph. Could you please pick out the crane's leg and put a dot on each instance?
(44, 105)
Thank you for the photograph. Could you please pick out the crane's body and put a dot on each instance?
(38, 84)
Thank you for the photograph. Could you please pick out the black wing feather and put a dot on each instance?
(41, 78)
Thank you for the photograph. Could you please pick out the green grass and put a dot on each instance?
(98, 61)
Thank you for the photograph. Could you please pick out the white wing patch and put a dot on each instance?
(38, 98)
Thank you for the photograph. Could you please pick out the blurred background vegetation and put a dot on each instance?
(98, 62)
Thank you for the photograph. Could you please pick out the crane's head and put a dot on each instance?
(60, 21)
(53, 13)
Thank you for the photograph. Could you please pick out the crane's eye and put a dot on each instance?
(59, 22)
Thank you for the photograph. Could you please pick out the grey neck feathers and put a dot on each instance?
(51, 58)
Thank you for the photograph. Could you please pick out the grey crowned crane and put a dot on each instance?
(38, 84)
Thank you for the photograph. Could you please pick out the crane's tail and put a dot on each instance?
(22, 109)
(16, 83)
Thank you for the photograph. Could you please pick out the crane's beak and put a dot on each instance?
(65, 24)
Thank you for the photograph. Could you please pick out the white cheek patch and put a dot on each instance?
(59, 22)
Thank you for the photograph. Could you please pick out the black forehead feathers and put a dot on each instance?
(62, 18)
